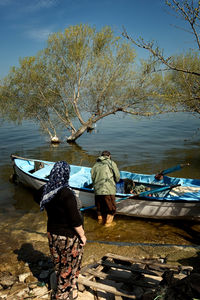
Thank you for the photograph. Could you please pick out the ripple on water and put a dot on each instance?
(129, 229)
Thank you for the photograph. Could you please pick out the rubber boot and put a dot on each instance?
(109, 220)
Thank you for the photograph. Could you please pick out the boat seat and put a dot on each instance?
(43, 172)
(38, 165)
(80, 179)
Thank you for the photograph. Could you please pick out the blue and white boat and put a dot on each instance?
(169, 198)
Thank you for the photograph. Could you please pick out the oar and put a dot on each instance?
(143, 194)
(170, 170)
(87, 207)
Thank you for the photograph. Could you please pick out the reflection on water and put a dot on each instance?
(137, 145)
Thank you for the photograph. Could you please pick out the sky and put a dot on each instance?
(26, 24)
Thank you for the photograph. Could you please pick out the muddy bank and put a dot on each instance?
(27, 272)
(23, 238)
(24, 246)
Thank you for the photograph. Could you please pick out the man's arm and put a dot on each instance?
(116, 171)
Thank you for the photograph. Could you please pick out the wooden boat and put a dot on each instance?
(169, 198)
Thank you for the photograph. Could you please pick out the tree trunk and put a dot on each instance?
(78, 133)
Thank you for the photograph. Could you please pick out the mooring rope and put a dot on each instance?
(142, 244)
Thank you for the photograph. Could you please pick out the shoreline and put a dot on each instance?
(29, 269)
(24, 251)
(24, 234)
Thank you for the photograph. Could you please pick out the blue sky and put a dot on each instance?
(26, 24)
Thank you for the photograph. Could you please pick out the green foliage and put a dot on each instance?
(183, 88)
(80, 70)
(173, 81)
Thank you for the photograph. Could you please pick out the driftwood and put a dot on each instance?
(149, 262)
(136, 276)
(104, 287)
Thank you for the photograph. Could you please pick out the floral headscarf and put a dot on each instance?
(58, 178)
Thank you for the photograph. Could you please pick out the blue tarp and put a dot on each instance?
(80, 177)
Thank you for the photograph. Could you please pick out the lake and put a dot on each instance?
(143, 145)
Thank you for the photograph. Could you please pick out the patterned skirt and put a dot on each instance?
(66, 254)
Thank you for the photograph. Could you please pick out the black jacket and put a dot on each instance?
(63, 213)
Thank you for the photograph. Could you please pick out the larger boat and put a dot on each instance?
(166, 198)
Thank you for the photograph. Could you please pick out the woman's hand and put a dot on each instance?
(83, 240)
(81, 234)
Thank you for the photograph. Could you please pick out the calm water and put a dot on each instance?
(141, 145)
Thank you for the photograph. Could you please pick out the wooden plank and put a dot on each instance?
(85, 268)
(96, 267)
(118, 297)
(132, 269)
(125, 277)
(148, 262)
(162, 267)
(121, 278)
(104, 287)
(156, 278)
(140, 274)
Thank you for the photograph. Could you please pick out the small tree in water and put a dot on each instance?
(82, 76)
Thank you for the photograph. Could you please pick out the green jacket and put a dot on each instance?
(105, 174)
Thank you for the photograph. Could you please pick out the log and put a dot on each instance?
(103, 287)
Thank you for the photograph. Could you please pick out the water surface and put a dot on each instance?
(140, 145)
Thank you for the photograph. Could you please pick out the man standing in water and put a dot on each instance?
(105, 175)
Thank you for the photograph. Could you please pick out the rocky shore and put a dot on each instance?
(28, 274)
(26, 271)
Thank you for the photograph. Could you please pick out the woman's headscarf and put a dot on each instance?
(58, 178)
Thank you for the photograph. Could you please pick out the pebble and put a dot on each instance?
(40, 291)
(7, 280)
(22, 277)
(27, 286)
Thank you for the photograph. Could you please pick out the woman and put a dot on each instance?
(64, 228)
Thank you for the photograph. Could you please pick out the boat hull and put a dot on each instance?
(141, 208)
(160, 209)
(137, 207)
(27, 180)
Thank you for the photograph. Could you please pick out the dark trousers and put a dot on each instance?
(105, 205)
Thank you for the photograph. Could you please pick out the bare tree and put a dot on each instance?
(188, 11)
